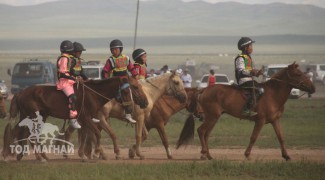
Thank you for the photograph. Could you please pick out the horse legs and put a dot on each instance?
(82, 135)
(107, 128)
(278, 131)
(204, 132)
(256, 131)
(164, 140)
(67, 136)
(139, 126)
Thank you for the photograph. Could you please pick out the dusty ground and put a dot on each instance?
(192, 153)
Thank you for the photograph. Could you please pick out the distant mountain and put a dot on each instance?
(111, 18)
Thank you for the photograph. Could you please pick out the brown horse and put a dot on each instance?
(91, 96)
(160, 114)
(3, 111)
(221, 99)
(169, 84)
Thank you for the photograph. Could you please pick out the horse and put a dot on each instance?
(3, 112)
(163, 109)
(229, 99)
(168, 83)
(51, 102)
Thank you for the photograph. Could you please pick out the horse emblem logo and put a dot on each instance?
(39, 131)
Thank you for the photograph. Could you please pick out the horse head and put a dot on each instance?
(175, 88)
(298, 79)
(2, 107)
(138, 94)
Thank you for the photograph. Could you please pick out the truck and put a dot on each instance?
(32, 72)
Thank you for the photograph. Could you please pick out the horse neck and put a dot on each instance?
(172, 105)
(280, 89)
(107, 88)
(156, 87)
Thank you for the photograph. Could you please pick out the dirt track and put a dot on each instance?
(192, 153)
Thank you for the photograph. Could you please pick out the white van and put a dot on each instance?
(93, 71)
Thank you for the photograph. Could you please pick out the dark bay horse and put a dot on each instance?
(221, 99)
(3, 111)
(91, 96)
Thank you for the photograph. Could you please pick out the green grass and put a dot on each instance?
(221, 169)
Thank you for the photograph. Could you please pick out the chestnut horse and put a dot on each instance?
(91, 96)
(169, 84)
(160, 114)
(221, 99)
(3, 111)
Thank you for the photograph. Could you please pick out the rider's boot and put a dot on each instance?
(74, 123)
(130, 119)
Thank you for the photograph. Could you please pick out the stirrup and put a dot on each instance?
(129, 118)
(74, 123)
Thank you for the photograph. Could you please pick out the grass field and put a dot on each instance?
(303, 125)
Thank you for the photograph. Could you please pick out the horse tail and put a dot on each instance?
(14, 106)
(7, 140)
(187, 134)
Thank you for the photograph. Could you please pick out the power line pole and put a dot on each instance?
(136, 26)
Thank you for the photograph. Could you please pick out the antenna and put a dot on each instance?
(136, 26)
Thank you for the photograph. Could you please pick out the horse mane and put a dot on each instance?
(156, 78)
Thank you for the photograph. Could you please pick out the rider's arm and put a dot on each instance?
(63, 73)
(132, 69)
(240, 67)
(107, 68)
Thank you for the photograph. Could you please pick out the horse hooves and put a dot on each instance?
(131, 153)
(141, 157)
(19, 157)
(287, 158)
(203, 157)
(210, 157)
(43, 161)
(170, 157)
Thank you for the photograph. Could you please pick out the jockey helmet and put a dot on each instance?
(138, 53)
(116, 43)
(78, 47)
(244, 41)
(66, 46)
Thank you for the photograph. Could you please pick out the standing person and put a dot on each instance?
(140, 58)
(244, 72)
(212, 78)
(66, 79)
(118, 65)
(309, 74)
(187, 79)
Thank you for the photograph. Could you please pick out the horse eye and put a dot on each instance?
(176, 82)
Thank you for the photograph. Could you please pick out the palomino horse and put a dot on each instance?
(91, 96)
(221, 99)
(3, 111)
(169, 84)
(163, 109)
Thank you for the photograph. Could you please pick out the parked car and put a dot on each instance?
(274, 68)
(4, 89)
(220, 79)
(31, 72)
(319, 72)
(93, 71)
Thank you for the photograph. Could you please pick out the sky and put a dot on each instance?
(320, 3)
